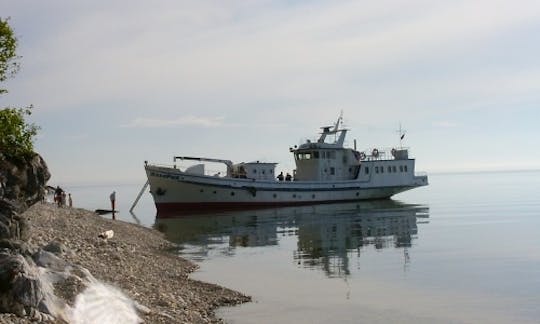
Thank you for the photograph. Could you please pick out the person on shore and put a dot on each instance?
(113, 200)
(280, 176)
(58, 196)
(288, 177)
(70, 201)
(63, 198)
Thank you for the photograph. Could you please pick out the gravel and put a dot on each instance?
(137, 260)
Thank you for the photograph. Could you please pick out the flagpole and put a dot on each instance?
(401, 133)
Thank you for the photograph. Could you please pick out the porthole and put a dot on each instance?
(294, 195)
(215, 192)
(232, 193)
(357, 194)
(313, 196)
(275, 196)
(202, 190)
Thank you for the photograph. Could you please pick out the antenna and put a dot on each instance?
(339, 121)
(401, 132)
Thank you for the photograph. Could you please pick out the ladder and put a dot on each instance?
(139, 196)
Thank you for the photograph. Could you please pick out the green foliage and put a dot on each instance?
(16, 135)
(8, 54)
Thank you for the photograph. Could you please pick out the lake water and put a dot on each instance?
(465, 249)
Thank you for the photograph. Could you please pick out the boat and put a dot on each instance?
(326, 172)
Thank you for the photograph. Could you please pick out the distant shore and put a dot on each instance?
(138, 260)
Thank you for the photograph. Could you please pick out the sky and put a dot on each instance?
(117, 83)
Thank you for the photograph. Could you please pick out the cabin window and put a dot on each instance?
(332, 171)
(389, 169)
(316, 155)
(366, 169)
(304, 156)
(401, 168)
(263, 171)
(254, 170)
(376, 169)
(394, 168)
(405, 168)
(382, 169)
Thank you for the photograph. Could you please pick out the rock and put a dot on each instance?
(106, 235)
(24, 181)
(56, 247)
(12, 226)
(22, 288)
(50, 261)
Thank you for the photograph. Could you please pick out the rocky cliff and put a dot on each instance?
(22, 184)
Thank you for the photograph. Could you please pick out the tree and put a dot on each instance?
(16, 135)
(8, 55)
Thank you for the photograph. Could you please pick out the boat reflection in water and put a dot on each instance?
(326, 235)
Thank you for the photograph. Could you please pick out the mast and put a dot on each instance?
(401, 133)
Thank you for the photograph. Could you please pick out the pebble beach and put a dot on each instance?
(136, 260)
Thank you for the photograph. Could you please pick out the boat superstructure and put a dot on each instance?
(326, 171)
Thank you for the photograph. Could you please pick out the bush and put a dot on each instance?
(16, 135)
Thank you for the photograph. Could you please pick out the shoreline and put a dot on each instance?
(137, 260)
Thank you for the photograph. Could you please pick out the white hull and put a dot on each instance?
(174, 190)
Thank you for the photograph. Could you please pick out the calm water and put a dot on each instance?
(466, 249)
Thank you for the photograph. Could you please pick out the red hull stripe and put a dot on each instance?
(169, 210)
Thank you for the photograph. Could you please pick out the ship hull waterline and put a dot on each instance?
(178, 193)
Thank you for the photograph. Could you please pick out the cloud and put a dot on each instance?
(445, 124)
(249, 52)
(181, 121)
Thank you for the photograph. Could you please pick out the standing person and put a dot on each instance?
(58, 196)
(113, 200)
(70, 201)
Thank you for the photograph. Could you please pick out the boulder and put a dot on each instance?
(23, 181)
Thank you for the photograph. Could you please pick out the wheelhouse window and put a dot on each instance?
(366, 169)
(304, 156)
